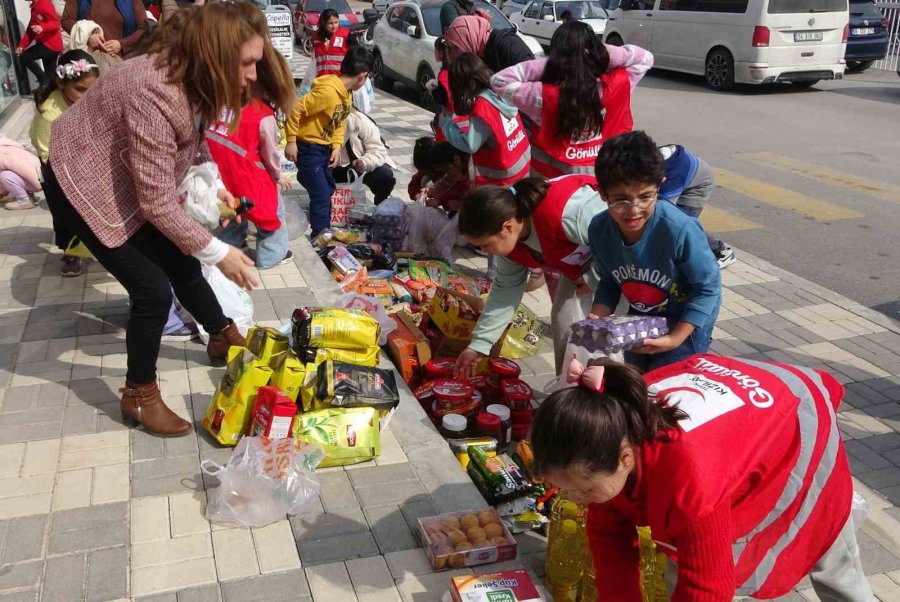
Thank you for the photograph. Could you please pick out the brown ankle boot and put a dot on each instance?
(218, 345)
(142, 404)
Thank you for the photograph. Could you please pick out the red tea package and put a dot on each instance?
(273, 414)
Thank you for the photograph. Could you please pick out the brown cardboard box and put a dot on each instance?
(452, 320)
(408, 347)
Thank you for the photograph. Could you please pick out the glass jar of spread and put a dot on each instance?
(503, 368)
(516, 394)
(478, 381)
(454, 426)
(450, 393)
(492, 392)
(521, 423)
(424, 393)
(439, 367)
(503, 413)
(488, 425)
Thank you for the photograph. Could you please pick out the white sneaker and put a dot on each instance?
(726, 257)
(19, 205)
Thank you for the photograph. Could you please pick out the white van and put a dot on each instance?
(744, 41)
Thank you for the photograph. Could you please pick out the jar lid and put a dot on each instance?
(452, 390)
(504, 368)
(516, 390)
(487, 422)
(440, 366)
(499, 410)
(454, 422)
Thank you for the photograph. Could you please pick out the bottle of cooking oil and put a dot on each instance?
(653, 568)
(566, 547)
(588, 591)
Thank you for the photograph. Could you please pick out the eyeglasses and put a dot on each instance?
(623, 206)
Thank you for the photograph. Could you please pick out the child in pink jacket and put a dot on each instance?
(19, 169)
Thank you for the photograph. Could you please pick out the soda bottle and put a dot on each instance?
(566, 546)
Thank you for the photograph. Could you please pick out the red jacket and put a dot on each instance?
(746, 496)
(330, 54)
(462, 121)
(558, 252)
(553, 155)
(243, 173)
(43, 14)
(506, 161)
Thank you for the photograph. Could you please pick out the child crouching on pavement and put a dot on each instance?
(315, 132)
(652, 253)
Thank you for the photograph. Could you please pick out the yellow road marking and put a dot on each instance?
(783, 197)
(881, 190)
(718, 220)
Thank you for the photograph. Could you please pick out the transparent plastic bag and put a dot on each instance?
(374, 308)
(859, 510)
(424, 226)
(199, 191)
(236, 302)
(295, 216)
(264, 480)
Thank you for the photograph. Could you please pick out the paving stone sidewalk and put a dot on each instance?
(90, 510)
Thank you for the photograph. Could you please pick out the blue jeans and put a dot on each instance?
(271, 245)
(697, 342)
(314, 175)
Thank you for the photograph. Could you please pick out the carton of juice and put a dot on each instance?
(505, 586)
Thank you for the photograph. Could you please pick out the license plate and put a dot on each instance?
(863, 31)
(808, 36)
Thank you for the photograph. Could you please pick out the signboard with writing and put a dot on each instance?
(281, 31)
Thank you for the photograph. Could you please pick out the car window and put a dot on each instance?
(582, 9)
(532, 11)
(410, 18)
(395, 17)
(706, 6)
(865, 9)
(498, 19)
(547, 9)
(783, 7)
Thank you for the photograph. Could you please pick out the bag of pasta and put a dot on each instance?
(228, 414)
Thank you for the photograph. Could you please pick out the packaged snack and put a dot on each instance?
(429, 272)
(454, 314)
(266, 343)
(366, 250)
(288, 374)
(343, 261)
(616, 333)
(524, 457)
(459, 539)
(347, 435)
(460, 448)
(228, 415)
(505, 586)
(324, 238)
(498, 478)
(408, 347)
(350, 236)
(367, 357)
(345, 385)
(273, 414)
(334, 328)
(516, 506)
(524, 336)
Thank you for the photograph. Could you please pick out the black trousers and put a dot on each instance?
(38, 52)
(380, 181)
(149, 266)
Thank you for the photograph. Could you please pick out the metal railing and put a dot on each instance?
(891, 11)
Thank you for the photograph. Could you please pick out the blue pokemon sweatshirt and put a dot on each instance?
(669, 272)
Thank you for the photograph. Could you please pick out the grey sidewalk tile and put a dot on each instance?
(883, 443)
(884, 410)
(32, 432)
(282, 587)
(25, 574)
(337, 548)
(170, 597)
(167, 484)
(389, 493)
(30, 417)
(368, 476)
(145, 446)
(101, 526)
(320, 525)
(413, 511)
(337, 492)
(29, 595)
(64, 578)
(107, 575)
(207, 593)
(878, 560)
(882, 478)
(391, 531)
(79, 419)
(24, 538)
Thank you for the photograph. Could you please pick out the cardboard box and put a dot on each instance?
(442, 345)
(505, 586)
(452, 319)
(408, 347)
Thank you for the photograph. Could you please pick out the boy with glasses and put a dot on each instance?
(652, 253)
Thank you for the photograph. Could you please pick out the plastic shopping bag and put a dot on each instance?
(424, 226)
(236, 302)
(374, 308)
(859, 510)
(524, 336)
(346, 197)
(264, 480)
(364, 98)
(199, 194)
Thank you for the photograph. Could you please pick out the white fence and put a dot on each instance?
(891, 11)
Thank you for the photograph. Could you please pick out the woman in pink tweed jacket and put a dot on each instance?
(117, 156)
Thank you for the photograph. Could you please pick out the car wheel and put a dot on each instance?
(381, 80)
(719, 70)
(858, 66)
(425, 76)
(615, 40)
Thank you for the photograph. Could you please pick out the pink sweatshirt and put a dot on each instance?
(520, 85)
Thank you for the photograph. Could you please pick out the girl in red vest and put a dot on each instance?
(330, 43)
(737, 467)
(250, 166)
(576, 98)
(44, 30)
(535, 224)
(495, 137)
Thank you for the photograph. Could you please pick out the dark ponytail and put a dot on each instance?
(73, 57)
(324, 17)
(579, 426)
(468, 76)
(486, 208)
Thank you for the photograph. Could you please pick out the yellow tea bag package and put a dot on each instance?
(348, 435)
(289, 374)
(368, 357)
(266, 343)
(334, 328)
(229, 411)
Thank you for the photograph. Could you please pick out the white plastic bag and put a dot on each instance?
(346, 197)
(859, 510)
(295, 216)
(198, 192)
(364, 98)
(374, 308)
(264, 480)
(236, 302)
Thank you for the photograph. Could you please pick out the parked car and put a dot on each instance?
(381, 5)
(404, 43)
(511, 7)
(541, 17)
(737, 41)
(868, 39)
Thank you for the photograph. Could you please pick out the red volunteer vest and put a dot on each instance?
(506, 161)
(558, 251)
(242, 171)
(762, 437)
(553, 155)
(329, 55)
(461, 121)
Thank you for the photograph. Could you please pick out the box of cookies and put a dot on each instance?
(472, 537)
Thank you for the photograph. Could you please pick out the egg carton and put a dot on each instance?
(617, 333)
